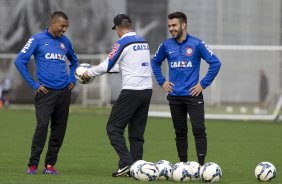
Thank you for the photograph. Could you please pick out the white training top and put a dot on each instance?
(130, 55)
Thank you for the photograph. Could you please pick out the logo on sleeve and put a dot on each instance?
(158, 50)
(207, 47)
(27, 45)
(114, 51)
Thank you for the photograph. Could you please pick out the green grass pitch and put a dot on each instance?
(87, 157)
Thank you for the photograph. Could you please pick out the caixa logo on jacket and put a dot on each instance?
(55, 56)
(141, 47)
(181, 64)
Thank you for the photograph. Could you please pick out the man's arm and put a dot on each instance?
(23, 59)
(102, 68)
(156, 63)
(73, 64)
(214, 64)
(110, 64)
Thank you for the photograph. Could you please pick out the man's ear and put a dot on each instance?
(184, 25)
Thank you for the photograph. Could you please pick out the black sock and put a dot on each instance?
(201, 159)
(183, 159)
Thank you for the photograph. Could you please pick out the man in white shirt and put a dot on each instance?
(130, 55)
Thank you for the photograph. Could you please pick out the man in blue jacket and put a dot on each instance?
(51, 49)
(184, 53)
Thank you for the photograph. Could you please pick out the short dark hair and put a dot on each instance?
(125, 25)
(58, 14)
(122, 20)
(178, 15)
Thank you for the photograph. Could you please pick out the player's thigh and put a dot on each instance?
(196, 113)
(123, 110)
(179, 116)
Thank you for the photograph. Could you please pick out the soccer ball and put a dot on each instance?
(83, 67)
(135, 168)
(265, 171)
(210, 172)
(196, 169)
(182, 172)
(148, 171)
(165, 169)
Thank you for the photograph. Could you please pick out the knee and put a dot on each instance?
(42, 126)
(113, 131)
(181, 134)
(110, 131)
(199, 133)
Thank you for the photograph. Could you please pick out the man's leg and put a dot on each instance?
(179, 118)
(120, 116)
(59, 120)
(196, 112)
(137, 125)
(43, 110)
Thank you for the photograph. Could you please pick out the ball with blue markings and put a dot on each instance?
(165, 169)
(148, 171)
(182, 172)
(210, 172)
(80, 70)
(265, 171)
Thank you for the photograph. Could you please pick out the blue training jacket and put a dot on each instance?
(50, 55)
(184, 61)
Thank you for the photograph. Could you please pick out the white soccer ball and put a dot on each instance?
(79, 71)
(135, 168)
(196, 170)
(182, 172)
(165, 169)
(265, 171)
(210, 172)
(147, 172)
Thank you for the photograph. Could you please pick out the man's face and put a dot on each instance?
(176, 28)
(118, 31)
(59, 26)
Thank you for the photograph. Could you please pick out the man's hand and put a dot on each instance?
(42, 89)
(85, 77)
(167, 86)
(196, 90)
(71, 86)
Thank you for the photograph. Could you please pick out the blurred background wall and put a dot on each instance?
(217, 22)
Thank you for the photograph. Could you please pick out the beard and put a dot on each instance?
(179, 34)
(59, 33)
